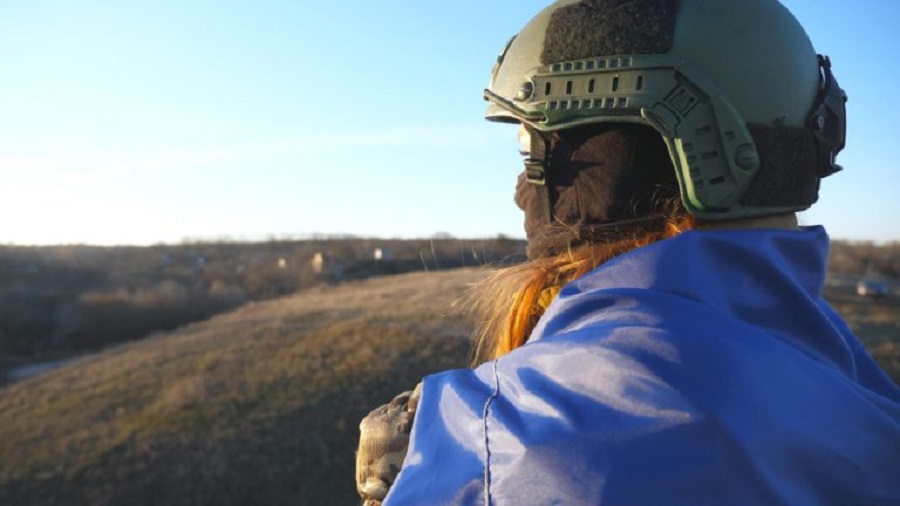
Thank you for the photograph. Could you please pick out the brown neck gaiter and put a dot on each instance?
(604, 182)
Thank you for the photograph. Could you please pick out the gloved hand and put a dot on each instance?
(383, 441)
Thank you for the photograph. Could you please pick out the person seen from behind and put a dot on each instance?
(667, 341)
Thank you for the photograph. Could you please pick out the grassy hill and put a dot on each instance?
(875, 321)
(260, 405)
(257, 406)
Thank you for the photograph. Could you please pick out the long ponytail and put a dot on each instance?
(509, 303)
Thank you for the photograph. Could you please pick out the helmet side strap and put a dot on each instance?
(537, 171)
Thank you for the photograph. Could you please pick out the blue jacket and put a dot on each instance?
(703, 369)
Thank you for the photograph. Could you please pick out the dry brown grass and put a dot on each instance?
(257, 406)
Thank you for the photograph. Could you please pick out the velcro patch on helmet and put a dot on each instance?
(787, 176)
(610, 27)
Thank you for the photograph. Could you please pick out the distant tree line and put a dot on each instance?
(856, 258)
(80, 298)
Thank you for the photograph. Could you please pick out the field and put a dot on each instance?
(875, 321)
(259, 405)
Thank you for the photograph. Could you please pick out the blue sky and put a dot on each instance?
(146, 122)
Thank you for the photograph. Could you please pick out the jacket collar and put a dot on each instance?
(771, 279)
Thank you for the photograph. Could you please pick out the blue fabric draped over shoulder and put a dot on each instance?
(703, 369)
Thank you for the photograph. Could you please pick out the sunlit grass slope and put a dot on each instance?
(257, 406)
(261, 405)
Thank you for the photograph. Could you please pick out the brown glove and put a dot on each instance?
(383, 440)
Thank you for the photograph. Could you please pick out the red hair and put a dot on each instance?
(509, 303)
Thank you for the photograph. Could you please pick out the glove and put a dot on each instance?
(383, 441)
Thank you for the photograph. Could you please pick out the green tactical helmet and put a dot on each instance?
(751, 115)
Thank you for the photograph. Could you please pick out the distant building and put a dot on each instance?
(872, 287)
(318, 262)
(872, 284)
(382, 254)
(326, 267)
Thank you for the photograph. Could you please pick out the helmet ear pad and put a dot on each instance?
(788, 174)
(597, 176)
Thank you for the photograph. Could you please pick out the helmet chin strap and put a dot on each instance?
(537, 170)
